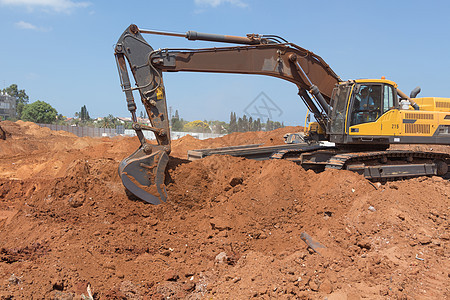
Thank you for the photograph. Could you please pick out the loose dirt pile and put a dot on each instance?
(232, 228)
(275, 137)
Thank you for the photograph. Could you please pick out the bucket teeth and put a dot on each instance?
(143, 175)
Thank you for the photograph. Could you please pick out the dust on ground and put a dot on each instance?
(231, 229)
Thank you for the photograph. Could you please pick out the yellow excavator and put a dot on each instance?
(356, 120)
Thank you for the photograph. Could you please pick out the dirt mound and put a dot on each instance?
(232, 228)
(275, 137)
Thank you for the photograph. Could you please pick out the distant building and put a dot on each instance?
(7, 106)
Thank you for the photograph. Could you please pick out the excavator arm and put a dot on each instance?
(143, 172)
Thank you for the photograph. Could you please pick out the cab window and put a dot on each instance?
(366, 104)
(388, 98)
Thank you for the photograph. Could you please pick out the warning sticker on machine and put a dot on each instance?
(159, 93)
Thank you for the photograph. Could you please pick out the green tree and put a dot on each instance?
(245, 123)
(269, 125)
(240, 125)
(251, 124)
(39, 112)
(20, 95)
(177, 124)
(258, 125)
(233, 123)
(19, 109)
(84, 114)
(219, 126)
(108, 122)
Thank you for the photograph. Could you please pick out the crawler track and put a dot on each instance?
(394, 164)
(374, 165)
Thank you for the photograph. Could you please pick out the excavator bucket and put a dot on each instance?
(143, 175)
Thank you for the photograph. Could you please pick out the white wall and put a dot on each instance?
(175, 134)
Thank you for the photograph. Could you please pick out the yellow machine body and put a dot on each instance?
(393, 122)
(398, 122)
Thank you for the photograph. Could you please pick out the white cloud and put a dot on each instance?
(29, 26)
(65, 6)
(215, 3)
(25, 25)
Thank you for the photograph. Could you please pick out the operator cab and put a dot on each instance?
(370, 101)
(357, 102)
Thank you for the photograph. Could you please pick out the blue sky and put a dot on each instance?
(62, 51)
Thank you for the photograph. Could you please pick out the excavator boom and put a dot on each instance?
(142, 173)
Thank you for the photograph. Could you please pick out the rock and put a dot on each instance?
(314, 284)
(189, 286)
(412, 243)
(80, 287)
(424, 240)
(326, 287)
(221, 257)
(222, 233)
(189, 274)
(236, 279)
(76, 202)
(437, 179)
(364, 244)
(58, 284)
(393, 186)
(220, 224)
(153, 222)
(436, 242)
(299, 256)
(372, 209)
(220, 198)
(171, 275)
(445, 236)
(63, 295)
(13, 279)
(236, 181)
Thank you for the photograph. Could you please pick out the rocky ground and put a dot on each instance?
(232, 228)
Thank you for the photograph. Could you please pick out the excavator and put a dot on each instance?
(356, 120)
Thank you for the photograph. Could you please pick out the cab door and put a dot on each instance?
(338, 120)
(390, 121)
(366, 107)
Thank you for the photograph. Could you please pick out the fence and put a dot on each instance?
(85, 131)
(175, 135)
(119, 130)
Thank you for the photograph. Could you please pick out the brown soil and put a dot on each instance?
(232, 228)
(275, 137)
